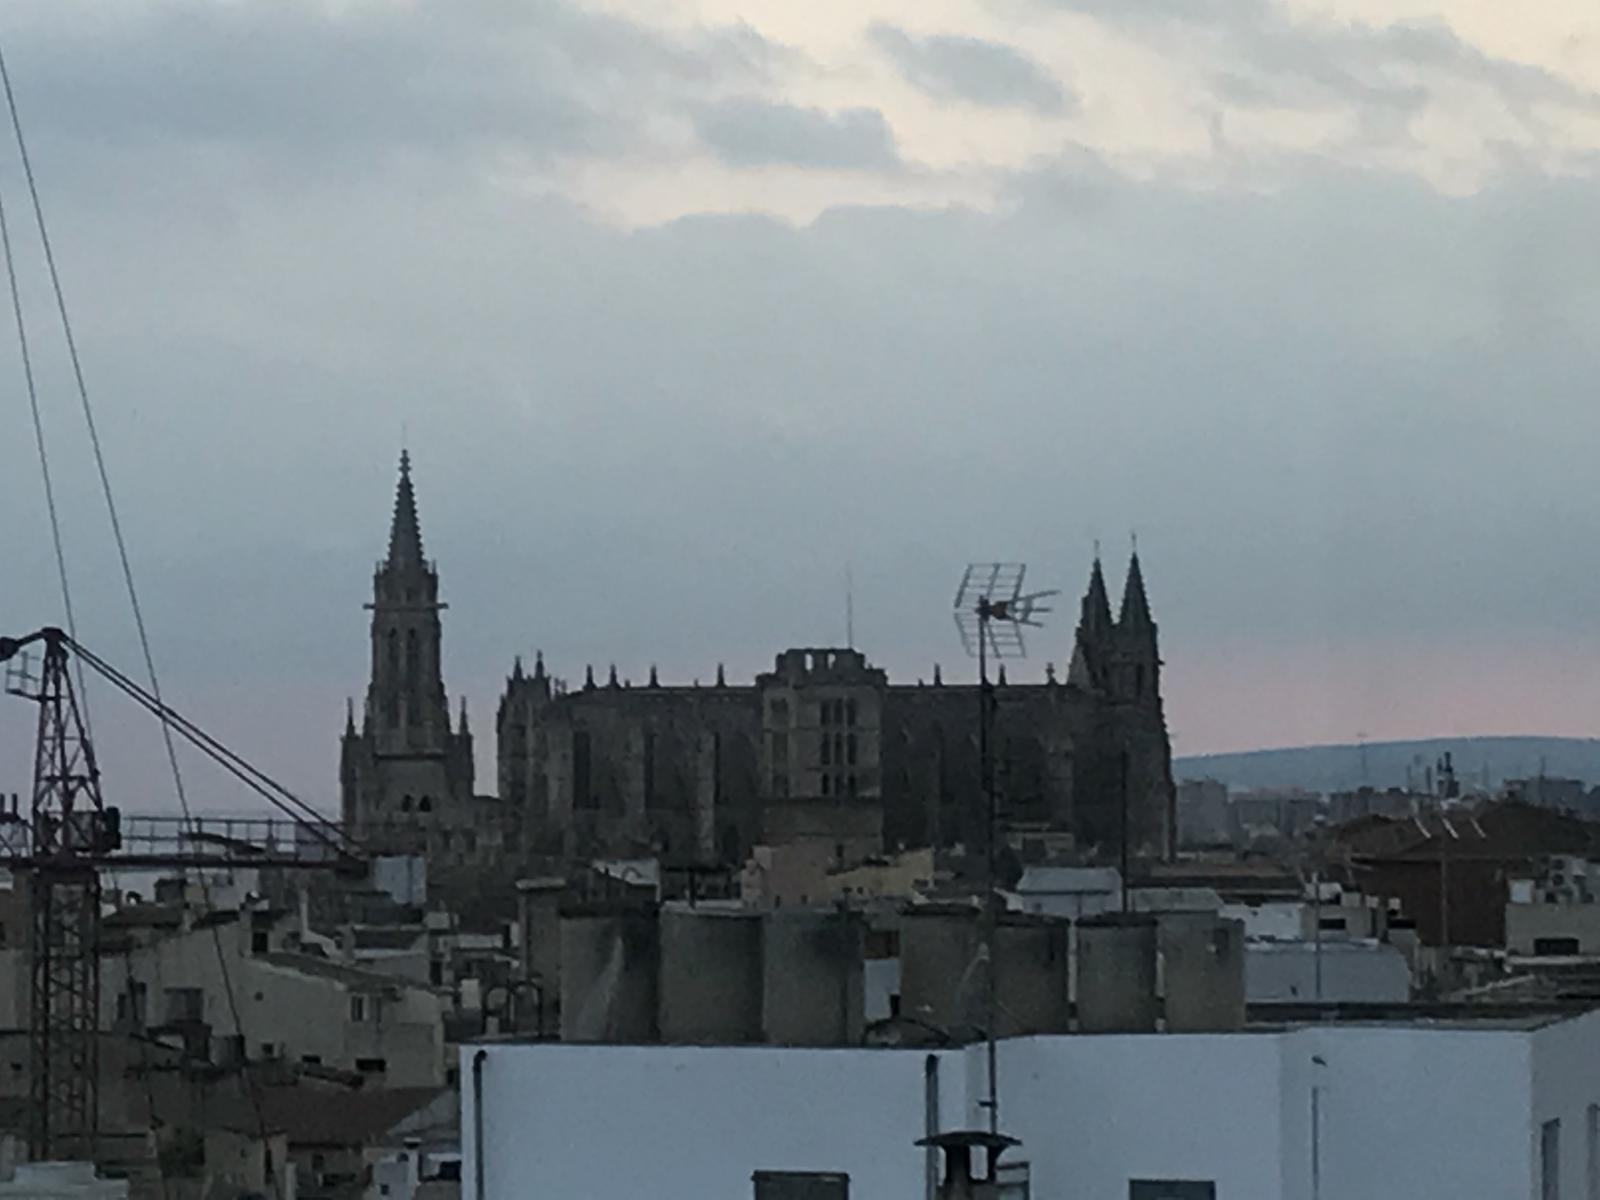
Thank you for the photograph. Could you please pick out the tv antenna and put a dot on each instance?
(991, 611)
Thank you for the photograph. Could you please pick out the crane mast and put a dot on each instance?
(69, 834)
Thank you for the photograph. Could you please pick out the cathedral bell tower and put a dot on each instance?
(405, 774)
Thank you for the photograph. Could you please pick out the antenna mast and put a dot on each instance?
(991, 611)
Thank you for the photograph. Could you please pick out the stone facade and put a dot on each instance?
(824, 746)
(406, 775)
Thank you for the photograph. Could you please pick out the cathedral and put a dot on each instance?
(821, 746)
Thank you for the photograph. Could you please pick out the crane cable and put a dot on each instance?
(122, 553)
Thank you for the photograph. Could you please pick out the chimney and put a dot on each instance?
(967, 1175)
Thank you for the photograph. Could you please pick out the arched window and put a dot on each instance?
(413, 659)
(827, 785)
(394, 652)
(425, 804)
(405, 805)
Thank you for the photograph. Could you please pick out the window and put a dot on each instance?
(372, 1066)
(850, 713)
(582, 782)
(358, 1008)
(258, 942)
(413, 658)
(802, 1185)
(1550, 1161)
(1555, 946)
(311, 1060)
(827, 785)
(827, 750)
(1171, 1189)
(850, 749)
(394, 652)
(405, 804)
(185, 1004)
(850, 785)
(649, 770)
(425, 804)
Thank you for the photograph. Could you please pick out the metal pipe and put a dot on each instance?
(478, 1059)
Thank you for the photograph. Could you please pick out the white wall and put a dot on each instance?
(1566, 1081)
(1094, 1112)
(686, 1123)
(1402, 1113)
(1284, 919)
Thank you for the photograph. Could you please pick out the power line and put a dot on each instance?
(122, 549)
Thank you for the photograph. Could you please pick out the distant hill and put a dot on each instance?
(1479, 761)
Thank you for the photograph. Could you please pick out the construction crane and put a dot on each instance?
(69, 835)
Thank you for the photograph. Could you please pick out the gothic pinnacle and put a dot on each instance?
(588, 677)
(405, 535)
(722, 680)
(654, 682)
(613, 680)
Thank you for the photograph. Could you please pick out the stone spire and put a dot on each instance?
(516, 669)
(463, 725)
(538, 664)
(349, 717)
(1135, 605)
(405, 536)
(1096, 604)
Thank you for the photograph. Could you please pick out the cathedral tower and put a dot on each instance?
(406, 776)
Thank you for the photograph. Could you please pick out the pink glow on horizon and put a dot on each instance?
(1249, 697)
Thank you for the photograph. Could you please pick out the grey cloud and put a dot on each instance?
(1335, 408)
(974, 70)
(755, 133)
(1268, 57)
(291, 78)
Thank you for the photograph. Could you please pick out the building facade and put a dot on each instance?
(824, 746)
(406, 775)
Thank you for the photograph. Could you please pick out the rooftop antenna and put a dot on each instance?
(849, 609)
(991, 611)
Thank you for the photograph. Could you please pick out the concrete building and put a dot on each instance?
(825, 745)
(1390, 1111)
(1553, 912)
(1357, 970)
(293, 1006)
(1202, 813)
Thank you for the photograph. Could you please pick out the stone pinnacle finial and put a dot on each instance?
(405, 535)
(938, 676)
(613, 680)
(654, 681)
(538, 664)
(722, 679)
(588, 677)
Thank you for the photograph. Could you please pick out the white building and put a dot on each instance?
(231, 972)
(1439, 1111)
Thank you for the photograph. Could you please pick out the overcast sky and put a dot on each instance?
(686, 306)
